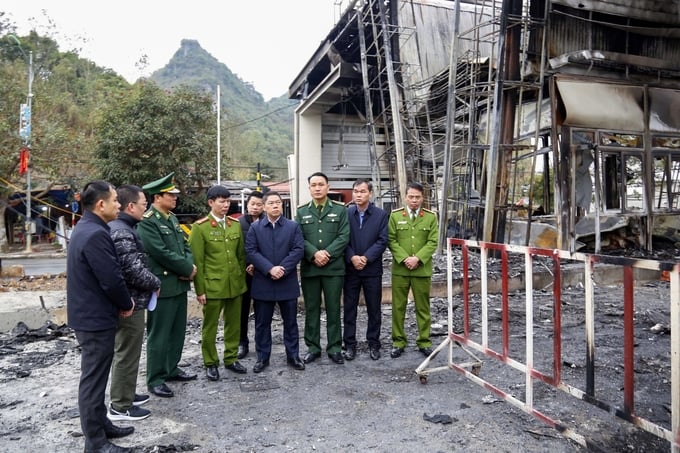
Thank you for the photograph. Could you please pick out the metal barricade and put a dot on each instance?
(522, 361)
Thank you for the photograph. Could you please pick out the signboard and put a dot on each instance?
(25, 122)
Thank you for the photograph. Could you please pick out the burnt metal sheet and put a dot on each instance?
(586, 56)
(668, 226)
(587, 225)
(429, 52)
(602, 105)
(573, 30)
(542, 235)
(663, 11)
(664, 110)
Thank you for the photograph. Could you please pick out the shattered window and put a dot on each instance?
(667, 181)
(634, 194)
(621, 171)
(666, 142)
(610, 172)
(666, 151)
(619, 139)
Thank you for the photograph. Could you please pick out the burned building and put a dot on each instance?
(539, 122)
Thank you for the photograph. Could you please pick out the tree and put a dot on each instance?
(67, 93)
(153, 132)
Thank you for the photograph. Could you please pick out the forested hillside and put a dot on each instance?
(252, 130)
(88, 122)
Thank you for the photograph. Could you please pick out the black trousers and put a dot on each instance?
(245, 311)
(372, 286)
(263, 327)
(95, 363)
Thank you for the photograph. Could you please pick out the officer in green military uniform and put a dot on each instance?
(412, 239)
(219, 254)
(171, 260)
(326, 232)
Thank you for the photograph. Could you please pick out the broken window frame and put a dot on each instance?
(666, 176)
(608, 174)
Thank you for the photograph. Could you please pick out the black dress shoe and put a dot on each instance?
(374, 353)
(260, 365)
(114, 432)
(296, 363)
(396, 352)
(182, 376)
(242, 351)
(161, 390)
(425, 351)
(349, 353)
(212, 373)
(336, 357)
(108, 447)
(312, 356)
(236, 367)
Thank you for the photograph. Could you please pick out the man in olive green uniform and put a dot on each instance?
(170, 259)
(220, 257)
(412, 239)
(326, 231)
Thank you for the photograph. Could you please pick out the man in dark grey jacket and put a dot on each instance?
(141, 284)
(96, 297)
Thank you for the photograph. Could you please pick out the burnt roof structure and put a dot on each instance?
(535, 122)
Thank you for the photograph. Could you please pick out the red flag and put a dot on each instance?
(24, 156)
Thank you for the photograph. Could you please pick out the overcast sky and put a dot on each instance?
(264, 42)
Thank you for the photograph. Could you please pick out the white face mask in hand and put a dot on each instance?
(152, 302)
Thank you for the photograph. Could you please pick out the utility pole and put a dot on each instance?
(25, 134)
(27, 140)
(218, 106)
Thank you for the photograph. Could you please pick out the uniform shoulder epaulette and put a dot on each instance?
(148, 214)
(398, 209)
(429, 210)
(338, 202)
(303, 205)
(203, 220)
(235, 219)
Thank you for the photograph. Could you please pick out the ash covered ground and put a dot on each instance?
(364, 404)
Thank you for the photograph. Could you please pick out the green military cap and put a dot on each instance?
(164, 185)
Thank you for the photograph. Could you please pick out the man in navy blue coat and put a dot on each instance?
(96, 296)
(364, 268)
(275, 246)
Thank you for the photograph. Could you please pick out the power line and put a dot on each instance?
(260, 117)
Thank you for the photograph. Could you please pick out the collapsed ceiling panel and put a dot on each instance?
(602, 105)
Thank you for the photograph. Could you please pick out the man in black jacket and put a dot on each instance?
(95, 298)
(254, 212)
(141, 283)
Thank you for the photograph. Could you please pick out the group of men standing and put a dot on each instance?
(124, 258)
(343, 255)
